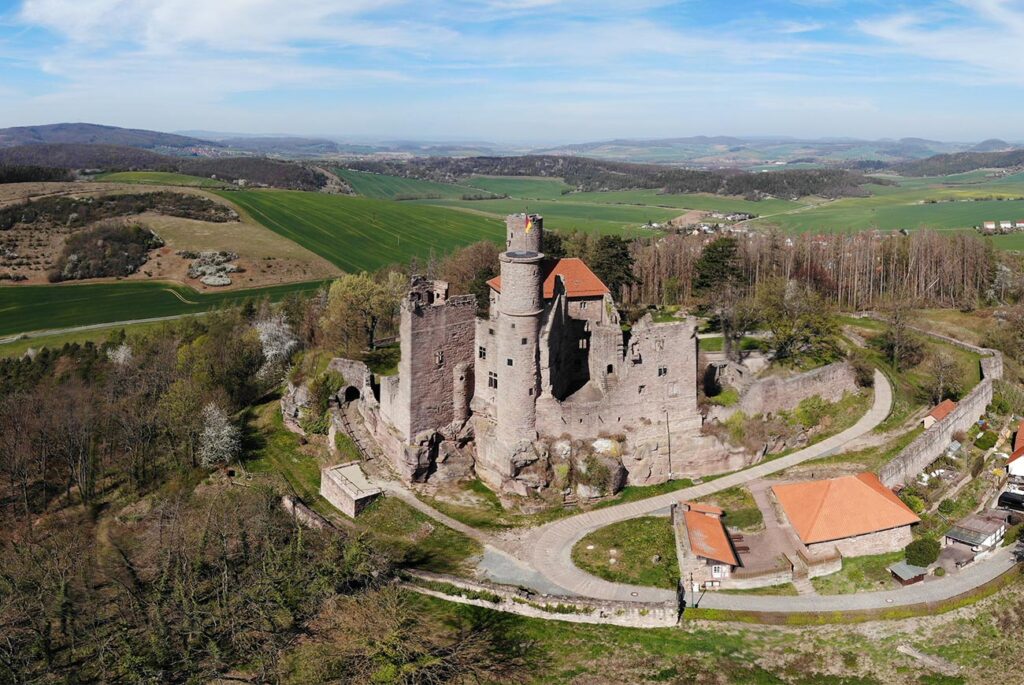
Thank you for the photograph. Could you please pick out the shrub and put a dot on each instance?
(922, 552)
(863, 370)
(986, 440)
(940, 572)
(947, 507)
(811, 410)
(915, 502)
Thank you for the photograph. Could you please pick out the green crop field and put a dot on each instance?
(959, 201)
(26, 308)
(385, 187)
(531, 187)
(160, 178)
(700, 201)
(568, 216)
(363, 234)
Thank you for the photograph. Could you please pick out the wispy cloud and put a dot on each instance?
(603, 67)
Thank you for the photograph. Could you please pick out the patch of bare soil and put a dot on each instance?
(691, 217)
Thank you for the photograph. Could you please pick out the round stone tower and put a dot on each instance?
(524, 233)
(519, 313)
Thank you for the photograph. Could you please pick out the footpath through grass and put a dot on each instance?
(363, 234)
(26, 308)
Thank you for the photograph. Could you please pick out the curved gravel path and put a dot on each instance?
(550, 546)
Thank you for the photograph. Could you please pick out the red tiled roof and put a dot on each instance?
(942, 410)
(1018, 440)
(1017, 454)
(707, 535)
(580, 281)
(824, 510)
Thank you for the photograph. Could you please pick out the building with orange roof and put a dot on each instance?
(939, 412)
(855, 515)
(706, 553)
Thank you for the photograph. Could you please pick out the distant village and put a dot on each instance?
(1000, 227)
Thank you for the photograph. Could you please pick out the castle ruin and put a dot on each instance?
(550, 370)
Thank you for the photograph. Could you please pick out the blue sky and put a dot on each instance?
(527, 71)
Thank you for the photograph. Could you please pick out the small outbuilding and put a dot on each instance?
(981, 532)
(941, 411)
(907, 574)
(347, 488)
(706, 554)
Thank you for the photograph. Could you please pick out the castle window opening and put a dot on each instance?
(662, 371)
(508, 362)
(439, 357)
(522, 341)
(492, 380)
(490, 331)
(530, 392)
(640, 389)
(583, 304)
(430, 298)
(611, 369)
(583, 343)
(482, 352)
(513, 325)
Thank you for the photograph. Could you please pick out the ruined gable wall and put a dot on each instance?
(436, 338)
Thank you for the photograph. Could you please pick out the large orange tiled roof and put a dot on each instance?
(707, 535)
(823, 510)
(942, 409)
(580, 281)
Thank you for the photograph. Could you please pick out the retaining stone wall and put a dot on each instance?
(769, 395)
(933, 442)
(516, 601)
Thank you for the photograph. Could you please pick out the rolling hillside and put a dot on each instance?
(95, 134)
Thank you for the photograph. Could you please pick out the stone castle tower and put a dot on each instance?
(518, 330)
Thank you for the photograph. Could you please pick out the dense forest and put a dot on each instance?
(255, 170)
(96, 134)
(79, 211)
(127, 554)
(960, 162)
(32, 174)
(586, 174)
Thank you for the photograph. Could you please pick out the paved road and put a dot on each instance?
(550, 547)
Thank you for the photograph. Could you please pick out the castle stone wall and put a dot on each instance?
(928, 446)
(769, 395)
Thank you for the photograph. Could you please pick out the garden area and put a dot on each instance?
(640, 551)
(741, 511)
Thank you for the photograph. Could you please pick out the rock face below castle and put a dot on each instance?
(549, 393)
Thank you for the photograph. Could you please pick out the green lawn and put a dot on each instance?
(96, 335)
(363, 234)
(384, 187)
(860, 574)
(567, 216)
(532, 187)
(160, 178)
(741, 511)
(26, 308)
(624, 552)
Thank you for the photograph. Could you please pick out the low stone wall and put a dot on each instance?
(933, 442)
(551, 607)
(768, 395)
(743, 581)
(303, 514)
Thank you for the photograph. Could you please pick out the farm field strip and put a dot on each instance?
(567, 216)
(25, 308)
(698, 201)
(362, 234)
(384, 187)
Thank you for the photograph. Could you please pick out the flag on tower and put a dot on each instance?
(529, 223)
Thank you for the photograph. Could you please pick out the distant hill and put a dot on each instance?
(95, 134)
(256, 170)
(960, 162)
(85, 156)
(284, 145)
(587, 174)
(991, 145)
